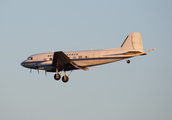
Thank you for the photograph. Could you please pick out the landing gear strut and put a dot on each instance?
(65, 78)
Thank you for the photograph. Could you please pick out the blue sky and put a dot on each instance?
(141, 90)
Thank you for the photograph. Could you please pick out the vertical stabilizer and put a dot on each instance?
(133, 42)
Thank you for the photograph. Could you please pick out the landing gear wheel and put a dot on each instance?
(65, 79)
(57, 76)
(128, 61)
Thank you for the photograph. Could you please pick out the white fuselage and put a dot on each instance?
(82, 58)
(65, 61)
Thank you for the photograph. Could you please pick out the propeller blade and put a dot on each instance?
(37, 68)
(45, 73)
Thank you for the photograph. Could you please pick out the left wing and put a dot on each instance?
(62, 60)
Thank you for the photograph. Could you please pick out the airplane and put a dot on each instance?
(60, 61)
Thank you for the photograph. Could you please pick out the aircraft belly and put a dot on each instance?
(85, 62)
(95, 62)
(104, 61)
(45, 65)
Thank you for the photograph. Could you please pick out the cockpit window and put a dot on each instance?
(30, 58)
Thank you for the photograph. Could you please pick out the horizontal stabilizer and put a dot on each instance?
(150, 50)
(137, 53)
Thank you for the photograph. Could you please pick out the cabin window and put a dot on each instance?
(51, 58)
(86, 57)
(80, 57)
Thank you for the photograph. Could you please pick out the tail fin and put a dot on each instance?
(133, 42)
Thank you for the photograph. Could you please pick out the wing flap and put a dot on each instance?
(79, 67)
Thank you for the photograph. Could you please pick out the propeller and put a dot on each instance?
(45, 73)
(36, 67)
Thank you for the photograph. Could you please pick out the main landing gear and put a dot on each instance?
(65, 78)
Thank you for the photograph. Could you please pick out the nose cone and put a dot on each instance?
(28, 64)
(23, 64)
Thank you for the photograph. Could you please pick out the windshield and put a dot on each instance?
(30, 58)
